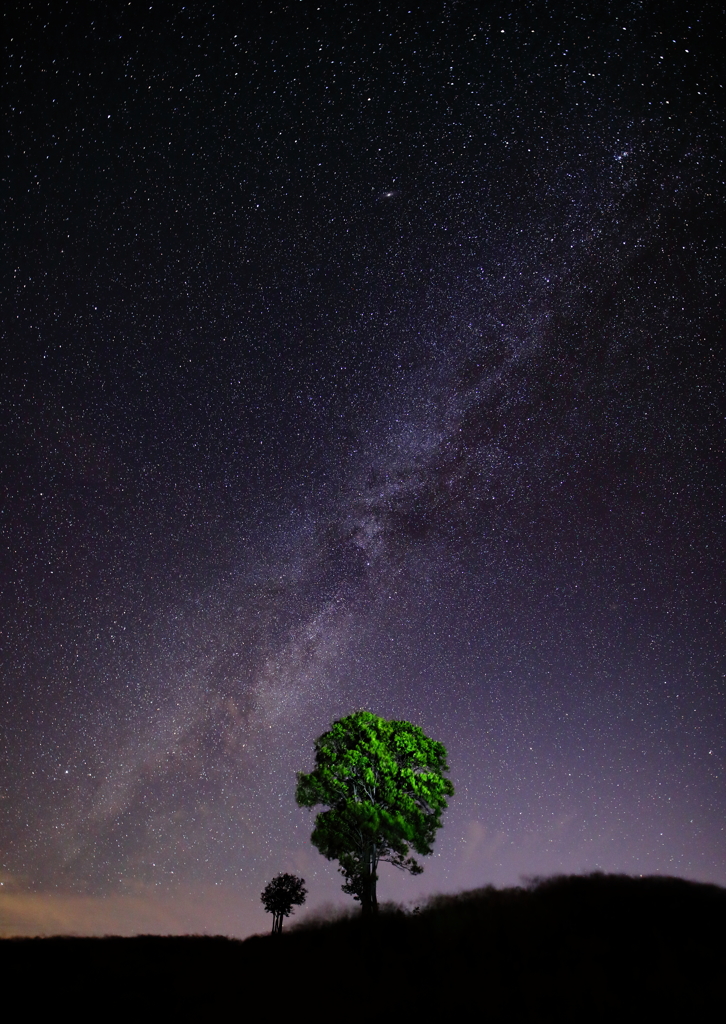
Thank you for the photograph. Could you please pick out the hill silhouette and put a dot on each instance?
(586, 948)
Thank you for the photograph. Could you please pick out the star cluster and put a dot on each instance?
(357, 358)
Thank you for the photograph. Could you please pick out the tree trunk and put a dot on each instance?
(369, 898)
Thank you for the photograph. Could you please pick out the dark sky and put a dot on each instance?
(357, 356)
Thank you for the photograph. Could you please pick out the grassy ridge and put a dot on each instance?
(578, 948)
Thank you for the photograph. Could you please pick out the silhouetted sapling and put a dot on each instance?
(280, 896)
(384, 786)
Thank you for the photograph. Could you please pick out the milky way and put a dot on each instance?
(357, 359)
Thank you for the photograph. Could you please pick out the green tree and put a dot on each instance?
(384, 786)
(280, 896)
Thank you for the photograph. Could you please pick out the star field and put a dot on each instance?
(356, 357)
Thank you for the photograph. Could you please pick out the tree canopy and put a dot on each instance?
(281, 895)
(384, 788)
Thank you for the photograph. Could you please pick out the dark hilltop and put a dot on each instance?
(577, 948)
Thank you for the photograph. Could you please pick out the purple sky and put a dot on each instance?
(356, 359)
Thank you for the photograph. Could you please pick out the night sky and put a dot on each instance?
(356, 356)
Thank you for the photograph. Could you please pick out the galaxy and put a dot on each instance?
(357, 356)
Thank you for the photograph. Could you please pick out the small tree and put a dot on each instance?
(384, 786)
(279, 897)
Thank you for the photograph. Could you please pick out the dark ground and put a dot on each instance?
(595, 948)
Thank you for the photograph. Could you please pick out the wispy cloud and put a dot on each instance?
(50, 913)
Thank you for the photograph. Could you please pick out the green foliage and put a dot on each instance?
(384, 786)
(280, 895)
